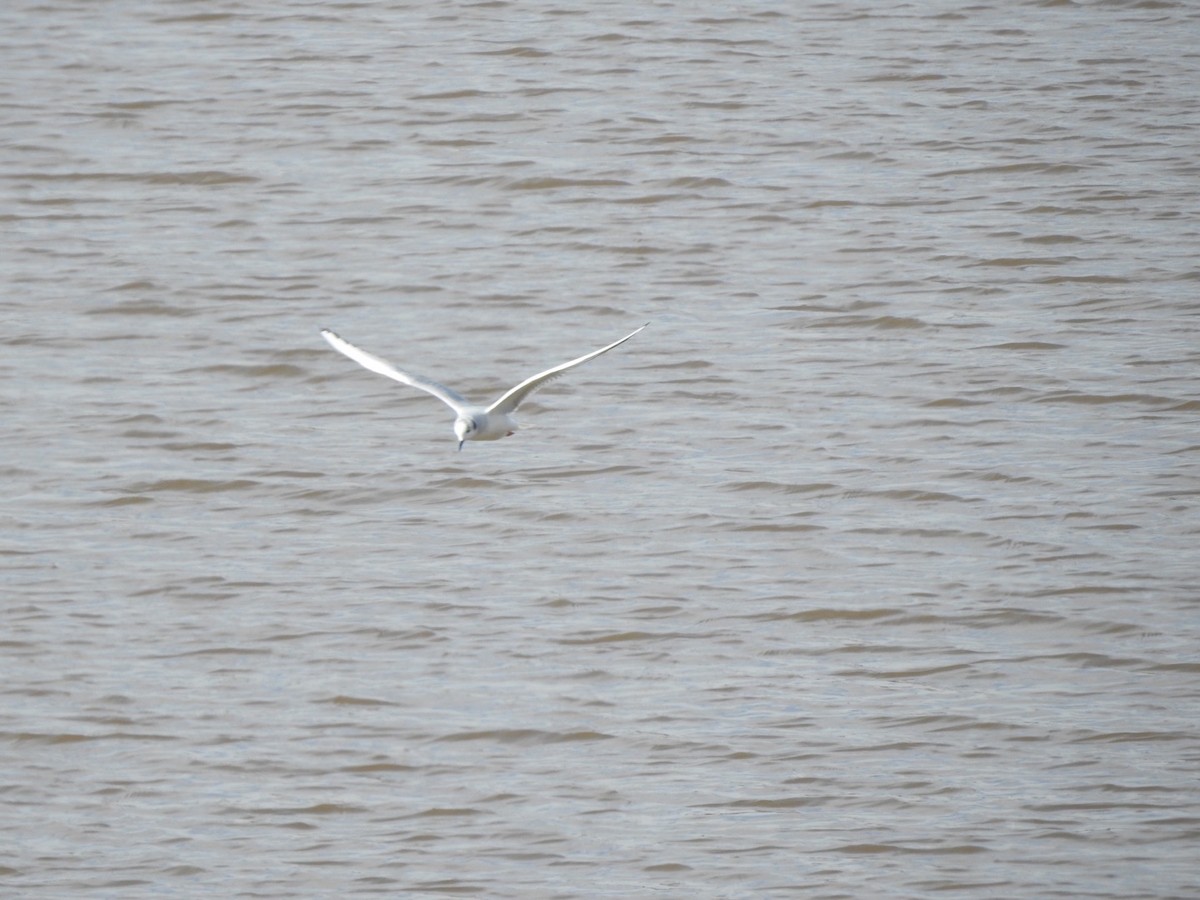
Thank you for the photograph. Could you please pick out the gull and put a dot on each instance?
(471, 422)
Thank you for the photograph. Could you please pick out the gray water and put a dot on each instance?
(869, 569)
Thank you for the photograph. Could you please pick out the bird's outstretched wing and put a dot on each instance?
(451, 398)
(510, 401)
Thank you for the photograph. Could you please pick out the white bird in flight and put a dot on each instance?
(471, 423)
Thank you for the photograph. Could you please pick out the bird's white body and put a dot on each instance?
(472, 422)
(488, 426)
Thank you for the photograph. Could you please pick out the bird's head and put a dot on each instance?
(464, 427)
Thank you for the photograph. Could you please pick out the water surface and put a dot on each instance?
(868, 569)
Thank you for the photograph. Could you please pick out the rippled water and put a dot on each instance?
(868, 570)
